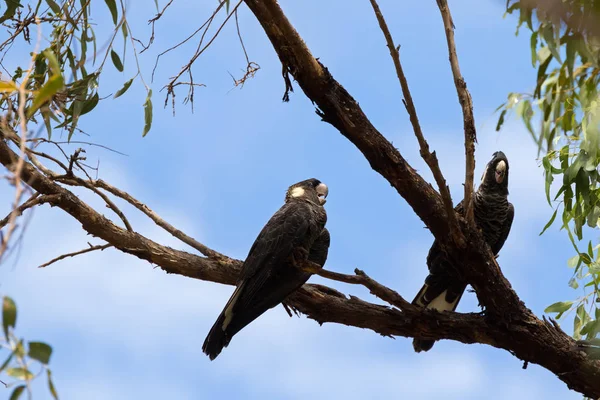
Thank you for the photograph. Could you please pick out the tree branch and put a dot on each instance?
(516, 327)
(525, 336)
(63, 256)
(430, 158)
(464, 98)
(33, 201)
(158, 220)
(384, 293)
(318, 302)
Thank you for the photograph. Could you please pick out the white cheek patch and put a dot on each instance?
(297, 192)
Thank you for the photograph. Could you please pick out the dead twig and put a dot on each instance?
(464, 97)
(76, 181)
(158, 220)
(34, 200)
(62, 257)
(384, 293)
(429, 157)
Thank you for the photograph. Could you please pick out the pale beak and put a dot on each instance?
(500, 171)
(322, 192)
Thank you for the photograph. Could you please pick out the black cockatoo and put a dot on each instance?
(295, 233)
(494, 215)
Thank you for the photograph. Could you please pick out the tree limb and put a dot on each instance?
(317, 302)
(519, 331)
(464, 98)
(157, 219)
(430, 158)
(525, 336)
(33, 201)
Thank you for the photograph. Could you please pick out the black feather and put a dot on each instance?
(269, 274)
(494, 216)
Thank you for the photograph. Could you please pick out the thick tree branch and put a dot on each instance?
(519, 331)
(430, 158)
(317, 302)
(338, 107)
(528, 338)
(464, 97)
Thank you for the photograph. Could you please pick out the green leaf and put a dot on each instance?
(46, 116)
(591, 328)
(581, 319)
(20, 349)
(51, 87)
(6, 362)
(501, 120)
(54, 7)
(40, 351)
(20, 373)
(17, 392)
(147, 113)
(559, 307)
(585, 258)
(90, 104)
(573, 283)
(9, 314)
(570, 51)
(549, 222)
(116, 60)
(533, 43)
(51, 385)
(122, 91)
(549, 178)
(548, 34)
(8, 87)
(112, 6)
(11, 9)
(52, 62)
(77, 107)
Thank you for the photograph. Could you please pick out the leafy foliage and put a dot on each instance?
(24, 357)
(563, 117)
(62, 85)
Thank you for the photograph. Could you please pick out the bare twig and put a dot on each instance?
(18, 211)
(251, 67)
(76, 181)
(78, 142)
(62, 257)
(158, 220)
(384, 293)
(152, 22)
(464, 97)
(199, 50)
(430, 158)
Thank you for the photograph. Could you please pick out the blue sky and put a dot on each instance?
(122, 329)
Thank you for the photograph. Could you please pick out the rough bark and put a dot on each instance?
(527, 337)
(507, 323)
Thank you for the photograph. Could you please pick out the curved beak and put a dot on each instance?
(500, 171)
(322, 192)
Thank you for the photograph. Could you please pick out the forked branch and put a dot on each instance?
(429, 157)
(464, 98)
